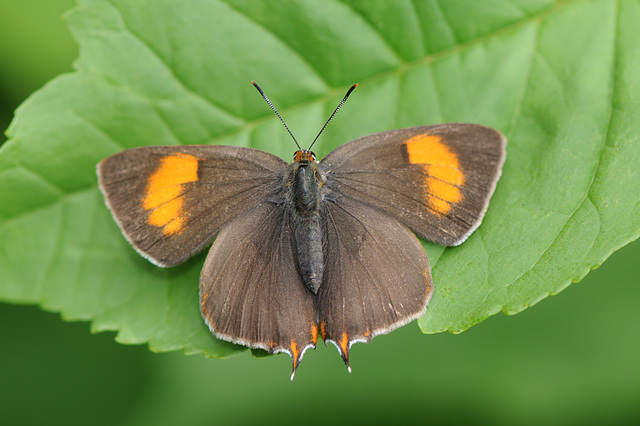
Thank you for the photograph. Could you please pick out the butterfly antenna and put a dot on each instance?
(334, 113)
(276, 111)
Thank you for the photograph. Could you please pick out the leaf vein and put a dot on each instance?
(284, 43)
(180, 81)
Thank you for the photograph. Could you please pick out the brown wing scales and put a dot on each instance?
(170, 201)
(250, 290)
(377, 277)
(437, 180)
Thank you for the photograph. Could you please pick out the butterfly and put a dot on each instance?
(307, 248)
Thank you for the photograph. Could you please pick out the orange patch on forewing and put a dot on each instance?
(314, 334)
(164, 192)
(168, 216)
(444, 176)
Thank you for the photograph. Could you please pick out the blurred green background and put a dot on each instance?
(572, 359)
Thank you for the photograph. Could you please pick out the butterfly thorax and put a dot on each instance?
(305, 196)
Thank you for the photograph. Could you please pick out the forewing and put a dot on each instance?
(170, 201)
(250, 290)
(377, 276)
(437, 180)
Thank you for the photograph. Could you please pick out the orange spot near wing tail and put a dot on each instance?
(344, 349)
(295, 356)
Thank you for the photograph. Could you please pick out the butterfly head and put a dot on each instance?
(304, 157)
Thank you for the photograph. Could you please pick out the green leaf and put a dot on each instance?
(560, 79)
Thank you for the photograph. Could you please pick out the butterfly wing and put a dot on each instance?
(170, 201)
(250, 290)
(377, 276)
(437, 180)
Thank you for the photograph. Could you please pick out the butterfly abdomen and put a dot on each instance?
(307, 226)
